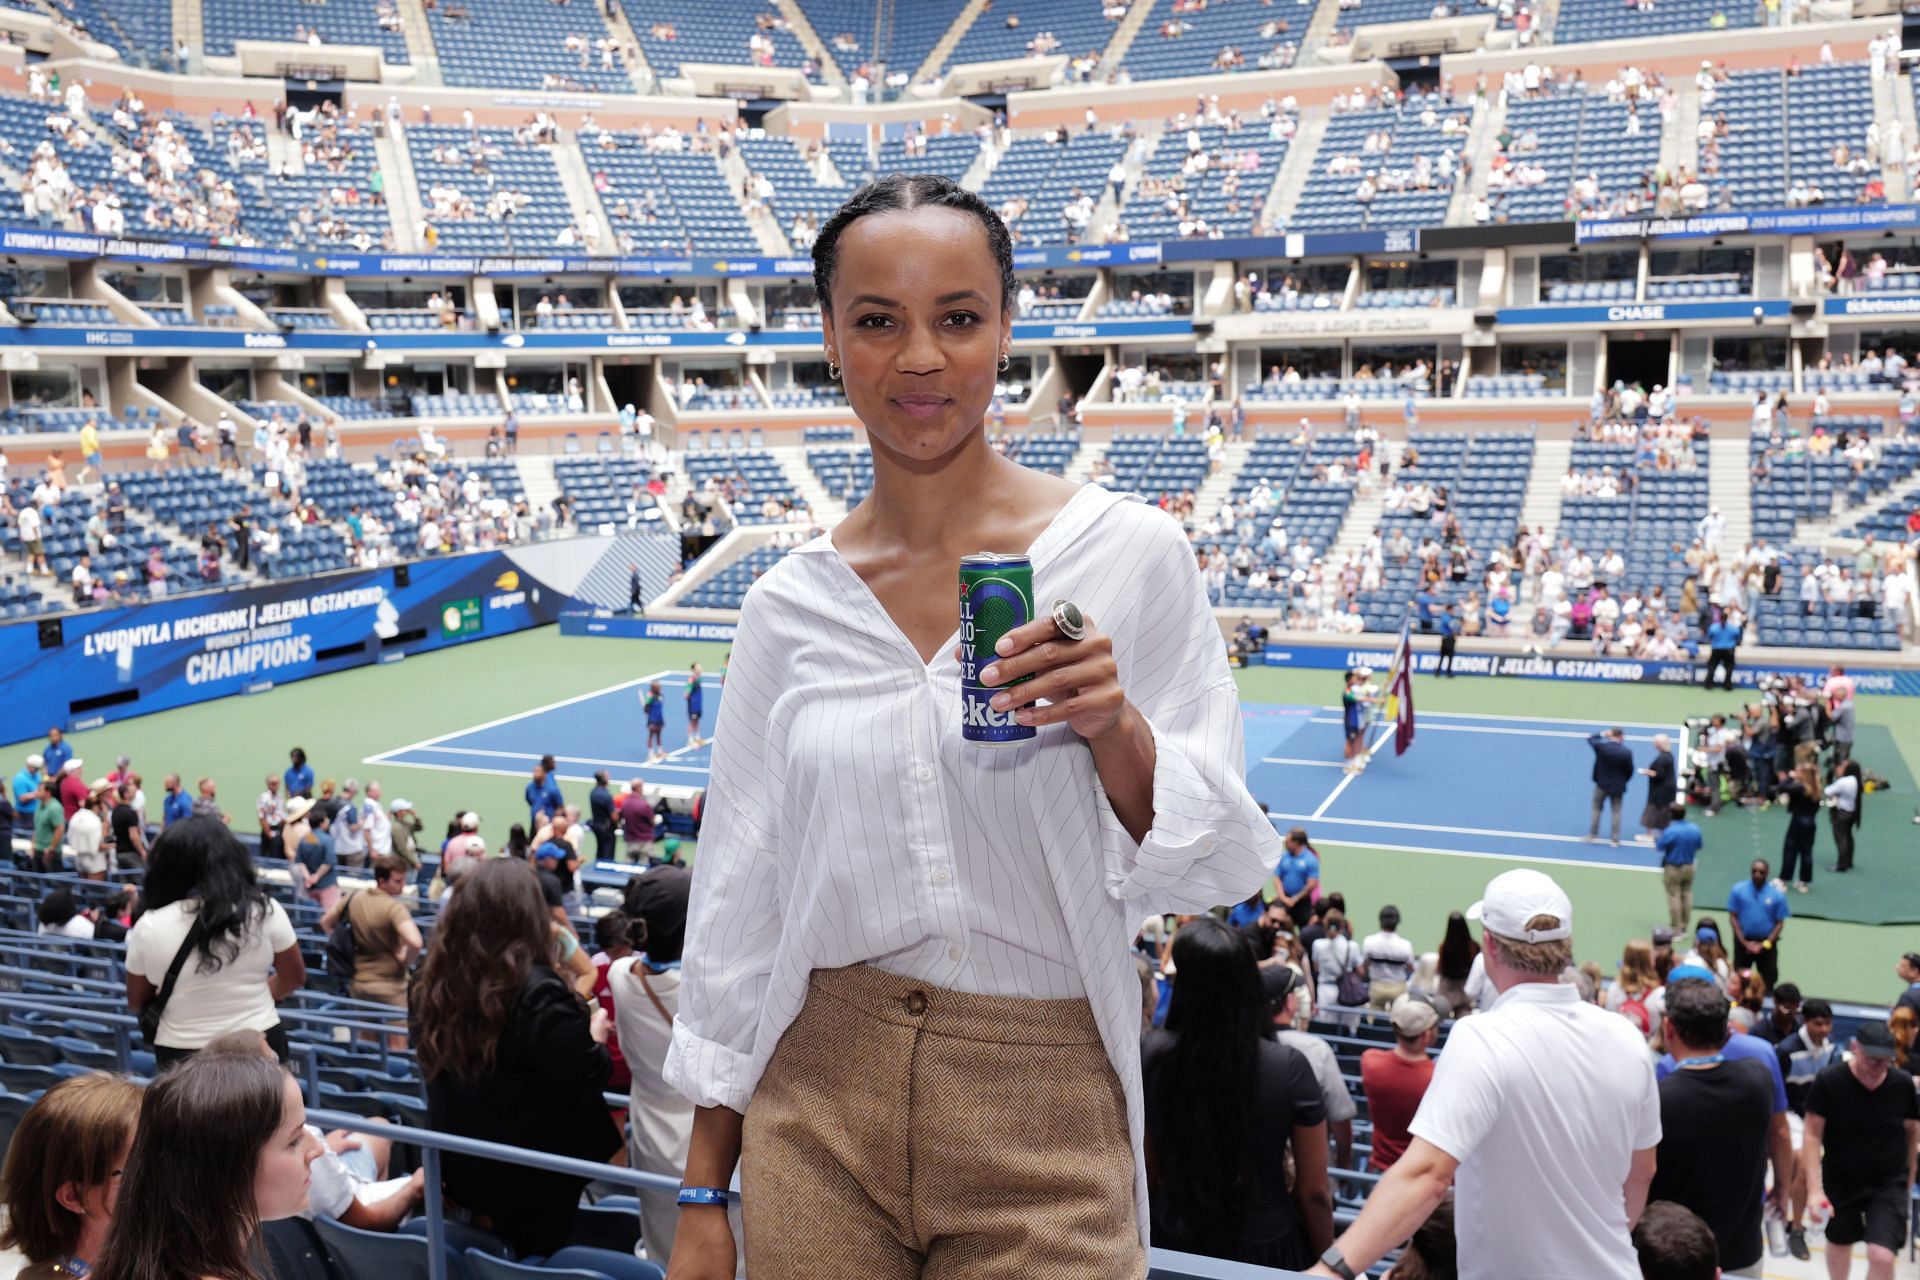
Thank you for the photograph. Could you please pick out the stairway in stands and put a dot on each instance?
(608, 583)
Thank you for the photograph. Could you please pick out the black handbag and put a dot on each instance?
(151, 1011)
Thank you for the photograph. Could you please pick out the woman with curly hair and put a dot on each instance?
(510, 1054)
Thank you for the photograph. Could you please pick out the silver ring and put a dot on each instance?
(1067, 618)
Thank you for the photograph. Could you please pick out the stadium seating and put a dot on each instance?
(1651, 527)
(602, 488)
(1047, 175)
(499, 44)
(1328, 202)
(1485, 475)
(676, 200)
(1156, 56)
(1148, 217)
(714, 32)
(950, 156)
(1008, 30)
(1829, 107)
(1576, 135)
(904, 43)
(754, 473)
(1049, 452)
(1753, 170)
(513, 166)
(341, 22)
(1581, 21)
(140, 31)
(796, 189)
(727, 588)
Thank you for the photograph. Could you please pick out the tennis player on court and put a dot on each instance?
(908, 1009)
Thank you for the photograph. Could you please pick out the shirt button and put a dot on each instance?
(941, 876)
(953, 953)
(924, 773)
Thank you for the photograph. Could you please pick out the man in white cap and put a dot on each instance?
(26, 788)
(1543, 1115)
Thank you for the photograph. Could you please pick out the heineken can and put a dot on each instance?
(996, 596)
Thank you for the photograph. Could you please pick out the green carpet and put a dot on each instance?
(342, 719)
(1880, 888)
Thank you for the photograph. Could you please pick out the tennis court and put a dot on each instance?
(1439, 798)
(605, 729)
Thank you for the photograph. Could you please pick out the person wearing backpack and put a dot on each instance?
(1636, 993)
(380, 935)
(1338, 967)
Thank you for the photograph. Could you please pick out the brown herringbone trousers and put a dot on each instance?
(906, 1131)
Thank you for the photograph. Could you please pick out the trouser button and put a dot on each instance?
(916, 1003)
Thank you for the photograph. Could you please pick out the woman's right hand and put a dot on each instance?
(702, 1245)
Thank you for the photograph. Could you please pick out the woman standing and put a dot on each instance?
(1802, 793)
(223, 1146)
(510, 1054)
(1457, 953)
(239, 955)
(966, 942)
(63, 1173)
(1227, 1104)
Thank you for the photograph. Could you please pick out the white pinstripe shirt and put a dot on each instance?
(848, 821)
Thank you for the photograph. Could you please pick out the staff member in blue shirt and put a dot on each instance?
(1449, 622)
(178, 806)
(1679, 844)
(299, 775)
(1759, 911)
(1722, 638)
(57, 753)
(1297, 877)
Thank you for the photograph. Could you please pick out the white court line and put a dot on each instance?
(518, 715)
(532, 757)
(1311, 764)
(510, 773)
(1481, 715)
(1320, 816)
(1348, 780)
(1476, 853)
(1488, 728)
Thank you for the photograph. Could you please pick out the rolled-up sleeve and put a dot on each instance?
(733, 915)
(1209, 843)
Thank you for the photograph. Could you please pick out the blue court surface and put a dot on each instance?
(1471, 785)
(603, 730)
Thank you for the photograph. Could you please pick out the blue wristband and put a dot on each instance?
(706, 1196)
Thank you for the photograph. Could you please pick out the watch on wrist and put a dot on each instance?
(1336, 1262)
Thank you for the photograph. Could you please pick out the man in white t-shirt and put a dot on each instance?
(1389, 960)
(375, 823)
(348, 829)
(1543, 1115)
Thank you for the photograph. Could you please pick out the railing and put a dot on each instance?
(432, 1145)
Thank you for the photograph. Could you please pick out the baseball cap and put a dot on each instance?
(1515, 897)
(398, 805)
(476, 846)
(36, 762)
(1278, 981)
(1413, 1013)
(1690, 973)
(469, 822)
(670, 846)
(72, 766)
(1662, 936)
(1875, 1040)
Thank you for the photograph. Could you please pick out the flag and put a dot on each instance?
(1400, 690)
